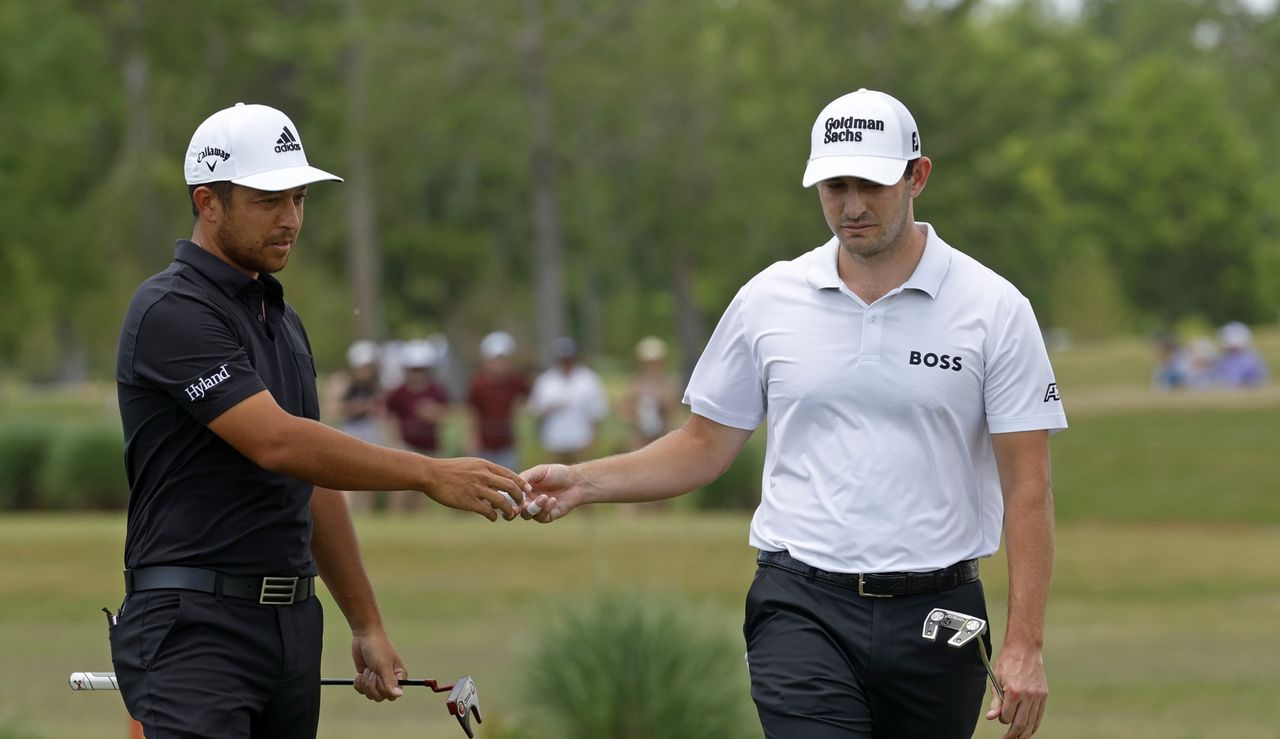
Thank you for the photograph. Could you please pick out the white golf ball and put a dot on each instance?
(534, 509)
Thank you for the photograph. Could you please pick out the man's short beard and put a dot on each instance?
(244, 258)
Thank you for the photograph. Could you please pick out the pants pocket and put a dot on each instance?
(157, 619)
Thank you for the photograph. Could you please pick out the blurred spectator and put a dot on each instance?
(357, 397)
(391, 373)
(417, 406)
(1240, 365)
(1202, 355)
(1173, 363)
(496, 391)
(569, 402)
(652, 400)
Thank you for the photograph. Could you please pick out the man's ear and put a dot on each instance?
(207, 204)
(920, 175)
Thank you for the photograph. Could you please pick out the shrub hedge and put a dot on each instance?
(23, 447)
(61, 465)
(632, 667)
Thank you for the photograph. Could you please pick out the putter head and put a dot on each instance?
(465, 701)
(967, 627)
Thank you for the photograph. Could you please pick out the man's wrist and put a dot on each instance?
(1023, 643)
(364, 628)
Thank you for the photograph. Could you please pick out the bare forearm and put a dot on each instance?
(1029, 545)
(326, 457)
(337, 554)
(683, 460)
(308, 450)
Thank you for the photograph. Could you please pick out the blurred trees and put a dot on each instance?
(1111, 163)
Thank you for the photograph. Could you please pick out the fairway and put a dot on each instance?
(1154, 630)
(1161, 621)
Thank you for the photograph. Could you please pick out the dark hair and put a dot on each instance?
(911, 166)
(221, 190)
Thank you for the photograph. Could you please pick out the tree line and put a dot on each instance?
(616, 168)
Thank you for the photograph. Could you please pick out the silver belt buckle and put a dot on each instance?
(865, 594)
(278, 591)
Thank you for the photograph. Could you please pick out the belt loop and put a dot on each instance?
(217, 586)
(128, 582)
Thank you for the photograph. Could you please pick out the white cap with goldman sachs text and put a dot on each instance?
(865, 134)
(251, 145)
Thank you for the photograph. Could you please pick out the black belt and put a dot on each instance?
(270, 590)
(880, 584)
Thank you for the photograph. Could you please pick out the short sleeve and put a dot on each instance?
(726, 386)
(1019, 390)
(189, 350)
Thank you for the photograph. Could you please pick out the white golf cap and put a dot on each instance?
(251, 145)
(497, 344)
(865, 134)
(1235, 335)
(651, 349)
(362, 353)
(418, 354)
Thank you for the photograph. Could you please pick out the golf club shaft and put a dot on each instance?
(107, 681)
(422, 683)
(986, 662)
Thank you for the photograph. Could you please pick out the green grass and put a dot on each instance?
(1189, 464)
(1155, 630)
(1127, 362)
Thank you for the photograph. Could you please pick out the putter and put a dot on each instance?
(968, 628)
(463, 701)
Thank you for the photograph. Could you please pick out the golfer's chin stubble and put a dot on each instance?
(263, 258)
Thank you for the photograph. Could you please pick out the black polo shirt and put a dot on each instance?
(194, 344)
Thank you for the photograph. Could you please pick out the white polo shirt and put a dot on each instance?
(879, 453)
(570, 404)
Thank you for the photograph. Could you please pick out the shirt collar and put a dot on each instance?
(228, 279)
(927, 277)
(933, 265)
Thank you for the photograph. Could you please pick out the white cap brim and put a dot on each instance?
(278, 180)
(881, 170)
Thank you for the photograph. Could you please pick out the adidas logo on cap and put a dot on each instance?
(287, 142)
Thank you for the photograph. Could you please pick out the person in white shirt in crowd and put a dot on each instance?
(569, 402)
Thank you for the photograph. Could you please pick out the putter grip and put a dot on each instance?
(93, 681)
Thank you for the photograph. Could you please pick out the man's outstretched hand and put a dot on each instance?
(557, 489)
(476, 485)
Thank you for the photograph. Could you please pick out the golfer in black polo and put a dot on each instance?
(234, 505)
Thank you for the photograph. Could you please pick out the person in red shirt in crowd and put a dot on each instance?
(496, 391)
(417, 405)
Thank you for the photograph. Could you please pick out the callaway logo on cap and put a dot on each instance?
(865, 134)
(252, 145)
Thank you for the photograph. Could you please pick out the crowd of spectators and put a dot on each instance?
(405, 393)
(1231, 361)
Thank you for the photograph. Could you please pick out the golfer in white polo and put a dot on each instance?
(908, 398)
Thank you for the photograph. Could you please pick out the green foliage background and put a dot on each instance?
(1123, 146)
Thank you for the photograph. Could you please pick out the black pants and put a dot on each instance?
(827, 663)
(192, 665)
